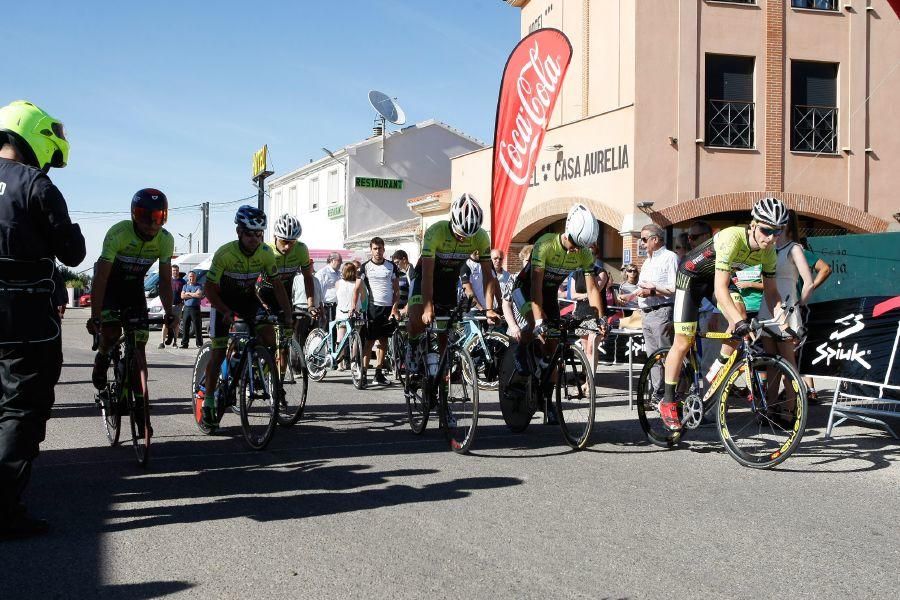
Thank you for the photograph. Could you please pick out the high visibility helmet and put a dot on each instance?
(149, 205)
(771, 211)
(465, 216)
(581, 226)
(287, 227)
(37, 136)
(250, 217)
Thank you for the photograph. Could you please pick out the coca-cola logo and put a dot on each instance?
(536, 89)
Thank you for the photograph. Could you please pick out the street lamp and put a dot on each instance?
(189, 238)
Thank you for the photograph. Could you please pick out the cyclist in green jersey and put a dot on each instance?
(129, 250)
(554, 257)
(291, 257)
(707, 270)
(231, 289)
(446, 246)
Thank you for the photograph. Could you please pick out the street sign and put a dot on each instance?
(335, 212)
(626, 256)
(377, 182)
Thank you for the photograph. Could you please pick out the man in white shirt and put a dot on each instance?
(503, 276)
(328, 276)
(656, 291)
(381, 280)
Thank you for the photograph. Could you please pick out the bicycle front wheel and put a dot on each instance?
(762, 411)
(575, 397)
(650, 393)
(258, 388)
(199, 381)
(294, 387)
(355, 348)
(316, 352)
(139, 415)
(459, 400)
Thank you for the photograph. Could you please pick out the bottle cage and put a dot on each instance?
(25, 285)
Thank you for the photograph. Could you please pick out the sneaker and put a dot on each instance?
(363, 382)
(98, 376)
(161, 346)
(668, 411)
(380, 379)
(183, 346)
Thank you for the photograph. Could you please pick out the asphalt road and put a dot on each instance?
(350, 504)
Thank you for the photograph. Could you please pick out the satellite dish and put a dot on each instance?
(387, 107)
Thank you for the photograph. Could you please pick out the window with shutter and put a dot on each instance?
(729, 101)
(814, 107)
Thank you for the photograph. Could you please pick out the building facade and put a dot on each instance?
(365, 186)
(673, 110)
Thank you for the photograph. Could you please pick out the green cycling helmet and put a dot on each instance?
(40, 138)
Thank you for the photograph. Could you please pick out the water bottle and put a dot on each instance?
(432, 359)
(716, 367)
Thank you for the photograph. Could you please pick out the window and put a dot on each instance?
(729, 101)
(738, 1)
(332, 187)
(292, 199)
(814, 107)
(314, 194)
(815, 4)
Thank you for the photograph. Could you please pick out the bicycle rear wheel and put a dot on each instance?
(198, 380)
(294, 386)
(355, 350)
(109, 406)
(575, 409)
(258, 388)
(761, 427)
(316, 352)
(459, 400)
(487, 364)
(649, 396)
(514, 391)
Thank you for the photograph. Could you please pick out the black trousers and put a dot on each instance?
(28, 376)
(189, 315)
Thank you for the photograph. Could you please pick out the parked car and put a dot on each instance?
(85, 300)
(154, 305)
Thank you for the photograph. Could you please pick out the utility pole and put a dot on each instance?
(204, 209)
(260, 172)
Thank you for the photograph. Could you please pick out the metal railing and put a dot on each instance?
(729, 124)
(814, 129)
(816, 4)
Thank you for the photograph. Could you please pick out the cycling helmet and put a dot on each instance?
(287, 227)
(581, 226)
(465, 216)
(771, 211)
(149, 205)
(38, 137)
(250, 217)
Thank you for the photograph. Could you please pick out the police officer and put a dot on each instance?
(34, 229)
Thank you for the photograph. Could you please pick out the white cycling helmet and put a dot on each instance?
(581, 226)
(770, 211)
(287, 227)
(465, 216)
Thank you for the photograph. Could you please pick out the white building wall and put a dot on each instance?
(294, 195)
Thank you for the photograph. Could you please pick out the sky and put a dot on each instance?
(179, 95)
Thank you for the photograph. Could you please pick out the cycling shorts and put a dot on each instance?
(689, 295)
(550, 304)
(443, 296)
(247, 307)
(121, 298)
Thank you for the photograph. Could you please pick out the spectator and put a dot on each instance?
(328, 276)
(698, 232)
(471, 281)
(503, 276)
(381, 281)
(177, 307)
(344, 295)
(191, 294)
(514, 320)
(35, 229)
(656, 290)
(401, 259)
(682, 245)
(301, 305)
(628, 289)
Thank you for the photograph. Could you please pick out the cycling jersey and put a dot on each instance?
(729, 250)
(557, 263)
(290, 264)
(236, 273)
(133, 256)
(449, 254)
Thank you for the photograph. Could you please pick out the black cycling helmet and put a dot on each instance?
(251, 218)
(150, 205)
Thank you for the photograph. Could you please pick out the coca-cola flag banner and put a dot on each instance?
(531, 83)
(895, 4)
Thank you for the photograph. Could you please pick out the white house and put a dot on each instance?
(351, 193)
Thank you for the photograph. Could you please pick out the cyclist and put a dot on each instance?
(707, 271)
(554, 257)
(291, 257)
(230, 287)
(129, 250)
(446, 246)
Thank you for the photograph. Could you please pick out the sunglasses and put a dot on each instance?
(630, 271)
(150, 216)
(649, 237)
(251, 233)
(769, 231)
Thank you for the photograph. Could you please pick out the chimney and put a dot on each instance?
(377, 128)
